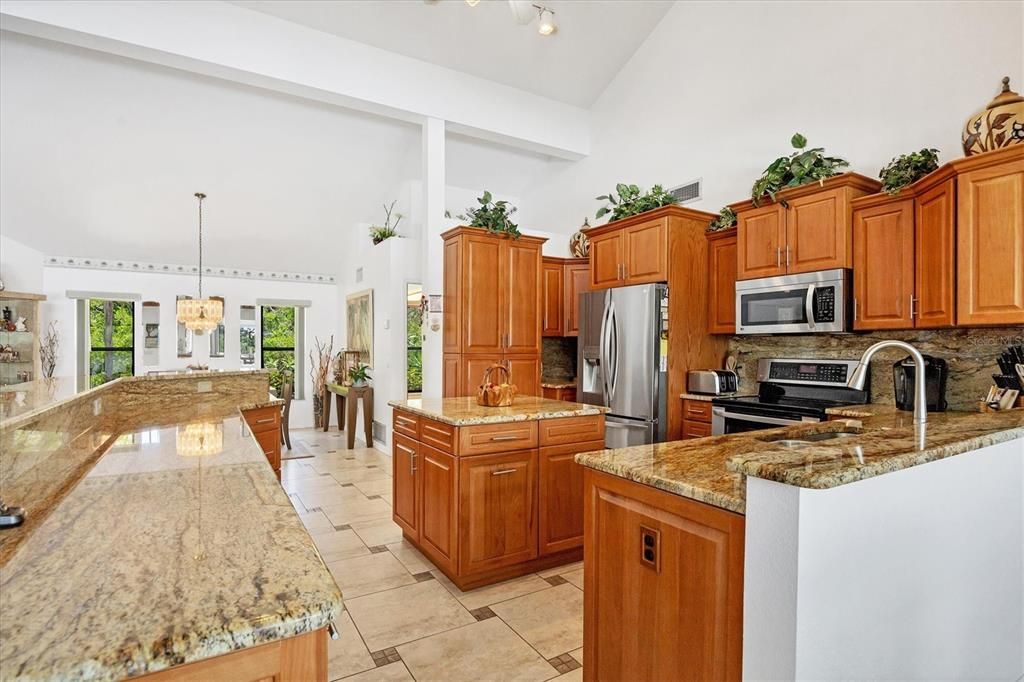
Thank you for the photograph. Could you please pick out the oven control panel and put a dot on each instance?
(834, 372)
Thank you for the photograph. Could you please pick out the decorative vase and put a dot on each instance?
(579, 243)
(998, 125)
(358, 383)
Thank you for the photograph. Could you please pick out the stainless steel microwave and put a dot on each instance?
(807, 303)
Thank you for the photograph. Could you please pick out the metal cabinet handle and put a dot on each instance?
(854, 309)
(778, 256)
(265, 421)
(499, 438)
(502, 472)
(787, 256)
(412, 464)
(912, 301)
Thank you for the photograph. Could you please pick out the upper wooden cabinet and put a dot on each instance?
(806, 229)
(576, 281)
(553, 299)
(630, 251)
(492, 288)
(722, 282)
(990, 238)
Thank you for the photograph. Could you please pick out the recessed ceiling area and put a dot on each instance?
(595, 38)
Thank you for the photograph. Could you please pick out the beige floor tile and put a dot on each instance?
(387, 498)
(347, 655)
(368, 574)
(336, 545)
(551, 621)
(330, 496)
(308, 485)
(355, 511)
(559, 570)
(571, 676)
(379, 532)
(578, 655)
(314, 521)
(575, 577)
(392, 672)
(360, 475)
(410, 557)
(394, 617)
(494, 594)
(376, 487)
(489, 650)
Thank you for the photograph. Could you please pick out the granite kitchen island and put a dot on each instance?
(866, 547)
(156, 536)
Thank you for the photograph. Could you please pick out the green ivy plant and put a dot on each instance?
(359, 374)
(907, 168)
(799, 168)
(493, 216)
(628, 200)
(388, 230)
(726, 219)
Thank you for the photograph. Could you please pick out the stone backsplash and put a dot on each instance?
(559, 357)
(970, 354)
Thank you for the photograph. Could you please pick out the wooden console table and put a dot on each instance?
(348, 397)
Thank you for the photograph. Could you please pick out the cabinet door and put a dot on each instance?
(525, 373)
(646, 252)
(553, 317)
(761, 236)
(451, 381)
(990, 245)
(481, 294)
(472, 369)
(722, 284)
(664, 585)
(606, 260)
(934, 256)
(497, 510)
(450, 321)
(439, 523)
(883, 265)
(521, 293)
(817, 232)
(405, 494)
(560, 496)
(576, 282)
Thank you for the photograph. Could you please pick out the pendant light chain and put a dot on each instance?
(200, 196)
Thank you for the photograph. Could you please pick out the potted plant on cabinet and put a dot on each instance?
(380, 233)
(799, 168)
(908, 168)
(629, 200)
(493, 216)
(726, 219)
(359, 375)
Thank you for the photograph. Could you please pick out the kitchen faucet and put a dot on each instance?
(860, 375)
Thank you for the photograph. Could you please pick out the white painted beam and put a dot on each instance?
(434, 223)
(225, 41)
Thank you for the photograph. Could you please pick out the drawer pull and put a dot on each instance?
(412, 464)
(502, 472)
(493, 438)
(265, 421)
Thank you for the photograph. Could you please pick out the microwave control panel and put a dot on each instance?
(825, 304)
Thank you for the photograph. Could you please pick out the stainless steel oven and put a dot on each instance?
(807, 303)
(724, 420)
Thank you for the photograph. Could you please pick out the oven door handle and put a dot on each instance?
(809, 306)
(761, 419)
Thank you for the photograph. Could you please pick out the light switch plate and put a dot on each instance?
(204, 386)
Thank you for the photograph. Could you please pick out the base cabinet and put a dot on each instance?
(663, 597)
(405, 493)
(265, 424)
(561, 491)
(439, 524)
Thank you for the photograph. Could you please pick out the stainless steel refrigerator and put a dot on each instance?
(622, 361)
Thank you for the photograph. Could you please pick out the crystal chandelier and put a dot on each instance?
(200, 439)
(200, 314)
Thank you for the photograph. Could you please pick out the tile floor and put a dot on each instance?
(405, 620)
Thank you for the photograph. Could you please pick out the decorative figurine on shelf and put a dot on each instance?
(579, 243)
(7, 314)
(20, 326)
(8, 354)
(999, 124)
(10, 326)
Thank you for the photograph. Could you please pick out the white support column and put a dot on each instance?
(433, 249)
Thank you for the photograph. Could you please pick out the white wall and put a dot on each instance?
(21, 267)
(916, 574)
(321, 317)
(719, 88)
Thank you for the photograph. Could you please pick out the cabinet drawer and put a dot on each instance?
(697, 410)
(487, 438)
(438, 435)
(271, 445)
(570, 430)
(692, 429)
(264, 419)
(406, 423)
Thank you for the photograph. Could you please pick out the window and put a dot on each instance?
(247, 334)
(111, 340)
(414, 339)
(277, 343)
(217, 335)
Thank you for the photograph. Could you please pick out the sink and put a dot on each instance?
(798, 441)
(791, 443)
(831, 435)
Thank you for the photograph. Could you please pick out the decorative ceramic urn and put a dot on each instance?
(998, 125)
(579, 244)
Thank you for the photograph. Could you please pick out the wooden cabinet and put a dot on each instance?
(696, 418)
(883, 265)
(487, 502)
(664, 585)
(525, 371)
(553, 323)
(722, 282)
(463, 373)
(566, 393)
(807, 228)
(493, 306)
(630, 252)
(990, 238)
(265, 425)
(935, 254)
(576, 281)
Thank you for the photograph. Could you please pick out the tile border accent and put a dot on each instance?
(90, 263)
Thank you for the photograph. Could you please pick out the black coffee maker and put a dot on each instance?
(935, 372)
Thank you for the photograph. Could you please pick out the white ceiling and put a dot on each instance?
(595, 38)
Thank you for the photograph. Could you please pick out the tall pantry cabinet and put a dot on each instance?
(492, 316)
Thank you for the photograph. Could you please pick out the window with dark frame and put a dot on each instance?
(111, 340)
(277, 343)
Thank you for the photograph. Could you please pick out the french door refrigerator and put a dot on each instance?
(622, 361)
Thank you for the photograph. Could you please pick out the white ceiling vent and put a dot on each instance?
(689, 192)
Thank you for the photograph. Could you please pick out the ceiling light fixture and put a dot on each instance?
(200, 314)
(545, 20)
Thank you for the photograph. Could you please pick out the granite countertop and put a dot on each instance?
(465, 412)
(713, 469)
(176, 544)
(558, 383)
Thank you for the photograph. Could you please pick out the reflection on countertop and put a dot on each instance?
(465, 411)
(714, 469)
